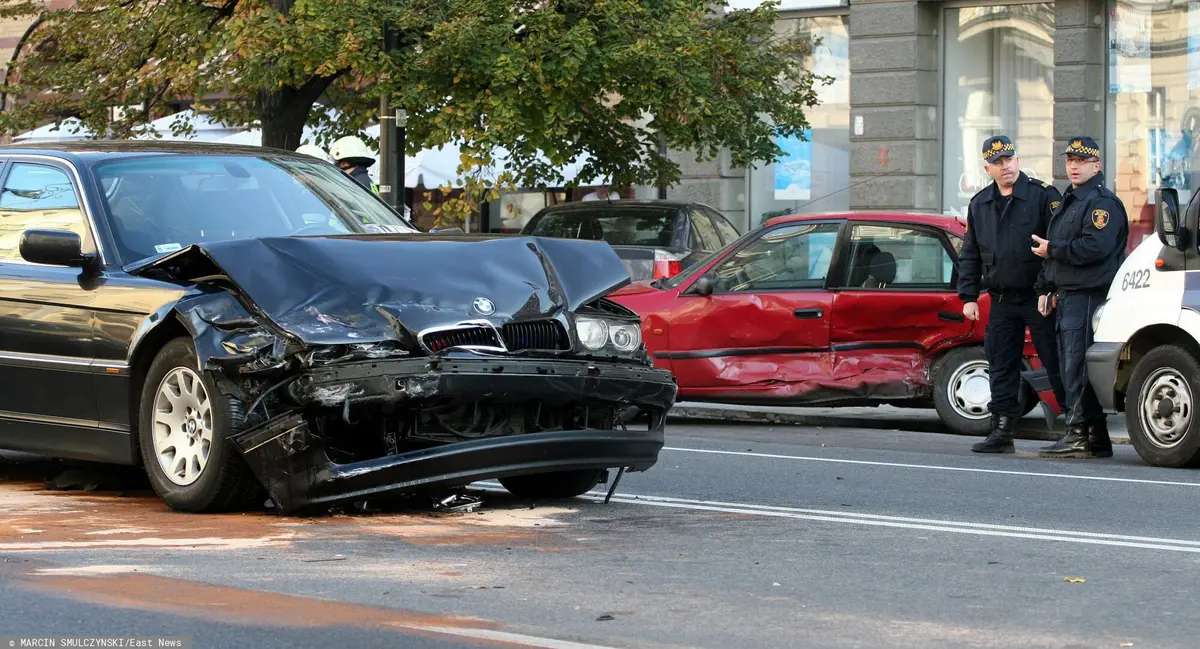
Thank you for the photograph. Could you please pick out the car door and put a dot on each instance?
(46, 344)
(728, 233)
(763, 333)
(895, 306)
(705, 239)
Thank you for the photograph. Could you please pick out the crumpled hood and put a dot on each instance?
(355, 289)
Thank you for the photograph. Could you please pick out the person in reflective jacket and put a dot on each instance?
(353, 157)
(996, 257)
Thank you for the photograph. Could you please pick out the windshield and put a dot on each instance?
(619, 227)
(160, 204)
(696, 267)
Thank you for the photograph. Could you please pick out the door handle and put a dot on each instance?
(951, 316)
(808, 314)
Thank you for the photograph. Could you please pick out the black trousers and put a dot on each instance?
(1075, 335)
(1004, 344)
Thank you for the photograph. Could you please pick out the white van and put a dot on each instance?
(1145, 360)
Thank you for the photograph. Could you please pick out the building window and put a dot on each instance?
(999, 80)
(1153, 93)
(812, 175)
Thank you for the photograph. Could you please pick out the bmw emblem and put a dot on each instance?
(484, 306)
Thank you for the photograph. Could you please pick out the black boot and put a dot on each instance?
(1001, 438)
(1074, 444)
(1099, 440)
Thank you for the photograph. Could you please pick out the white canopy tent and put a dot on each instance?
(206, 129)
(70, 129)
(434, 167)
(253, 137)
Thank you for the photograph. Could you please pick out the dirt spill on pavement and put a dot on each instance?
(33, 519)
(230, 604)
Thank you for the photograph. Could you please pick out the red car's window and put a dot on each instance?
(788, 258)
(888, 256)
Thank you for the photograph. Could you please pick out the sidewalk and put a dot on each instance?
(1033, 426)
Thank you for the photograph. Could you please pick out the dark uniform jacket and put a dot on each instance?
(997, 252)
(363, 177)
(1087, 235)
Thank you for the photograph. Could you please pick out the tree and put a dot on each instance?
(549, 81)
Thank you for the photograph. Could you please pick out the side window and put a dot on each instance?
(897, 257)
(791, 257)
(34, 197)
(729, 234)
(704, 230)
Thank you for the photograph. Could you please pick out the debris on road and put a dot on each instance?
(1074, 580)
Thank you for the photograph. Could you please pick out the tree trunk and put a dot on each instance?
(283, 116)
(284, 112)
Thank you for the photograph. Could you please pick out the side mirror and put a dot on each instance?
(53, 247)
(1166, 219)
(703, 286)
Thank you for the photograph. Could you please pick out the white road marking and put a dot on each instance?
(879, 520)
(501, 636)
(637, 498)
(934, 467)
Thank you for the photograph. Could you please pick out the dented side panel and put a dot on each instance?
(846, 376)
(744, 338)
(920, 322)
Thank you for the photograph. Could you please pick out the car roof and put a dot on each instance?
(631, 204)
(89, 151)
(944, 221)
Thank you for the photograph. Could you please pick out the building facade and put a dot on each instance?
(919, 85)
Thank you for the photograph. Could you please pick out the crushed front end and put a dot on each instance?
(367, 428)
(390, 382)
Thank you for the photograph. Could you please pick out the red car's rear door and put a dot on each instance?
(896, 306)
(764, 330)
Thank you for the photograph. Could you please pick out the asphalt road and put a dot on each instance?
(741, 537)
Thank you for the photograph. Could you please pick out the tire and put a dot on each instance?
(1028, 399)
(957, 395)
(215, 480)
(562, 484)
(1167, 377)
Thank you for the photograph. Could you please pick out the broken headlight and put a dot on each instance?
(593, 333)
(596, 334)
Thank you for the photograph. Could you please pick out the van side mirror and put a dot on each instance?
(703, 286)
(53, 247)
(1166, 219)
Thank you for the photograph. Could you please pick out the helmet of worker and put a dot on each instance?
(314, 151)
(352, 151)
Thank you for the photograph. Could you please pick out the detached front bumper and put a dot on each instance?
(292, 463)
(1103, 362)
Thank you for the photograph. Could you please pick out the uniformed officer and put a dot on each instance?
(996, 257)
(353, 157)
(1084, 247)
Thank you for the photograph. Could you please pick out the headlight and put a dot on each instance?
(625, 338)
(1096, 317)
(593, 332)
(605, 335)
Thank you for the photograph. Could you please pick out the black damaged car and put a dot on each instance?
(242, 321)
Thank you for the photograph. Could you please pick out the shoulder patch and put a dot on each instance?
(1099, 219)
(1054, 205)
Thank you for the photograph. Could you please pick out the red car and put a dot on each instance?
(829, 309)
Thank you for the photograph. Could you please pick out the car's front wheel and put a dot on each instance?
(183, 427)
(962, 390)
(561, 484)
(1160, 408)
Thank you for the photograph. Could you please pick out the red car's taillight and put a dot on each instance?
(665, 265)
